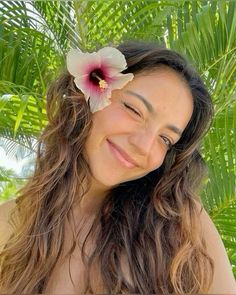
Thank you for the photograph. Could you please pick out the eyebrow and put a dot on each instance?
(151, 110)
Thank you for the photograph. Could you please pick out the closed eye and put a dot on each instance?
(132, 109)
(167, 142)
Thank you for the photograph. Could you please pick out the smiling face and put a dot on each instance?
(144, 118)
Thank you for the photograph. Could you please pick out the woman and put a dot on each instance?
(113, 204)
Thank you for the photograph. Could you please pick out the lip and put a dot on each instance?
(121, 155)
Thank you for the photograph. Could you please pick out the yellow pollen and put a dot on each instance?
(103, 84)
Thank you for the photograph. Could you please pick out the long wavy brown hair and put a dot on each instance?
(152, 221)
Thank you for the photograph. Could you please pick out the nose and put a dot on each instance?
(142, 141)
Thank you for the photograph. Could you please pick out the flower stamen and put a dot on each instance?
(102, 83)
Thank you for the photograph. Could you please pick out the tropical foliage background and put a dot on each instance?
(35, 35)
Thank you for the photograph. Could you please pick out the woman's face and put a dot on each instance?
(162, 107)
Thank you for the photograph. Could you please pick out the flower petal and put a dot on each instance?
(98, 103)
(82, 84)
(79, 63)
(112, 58)
(120, 80)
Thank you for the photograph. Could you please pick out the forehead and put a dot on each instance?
(162, 82)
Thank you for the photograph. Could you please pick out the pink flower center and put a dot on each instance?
(96, 76)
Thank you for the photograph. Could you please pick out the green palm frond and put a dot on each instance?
(6, 175)
(9, 183)
(22, 114)
(210, 43)
(219, 151)
(219, 195)
(27, 59)
(59, 22)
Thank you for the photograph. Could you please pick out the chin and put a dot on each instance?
(110, 180)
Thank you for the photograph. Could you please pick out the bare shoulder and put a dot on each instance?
(6, 208)
(223, 280)
(5, 228)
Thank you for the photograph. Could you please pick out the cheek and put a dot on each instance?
(156, 159)
(105, 123)
(111, 121)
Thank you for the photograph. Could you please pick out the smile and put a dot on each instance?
(120, 155)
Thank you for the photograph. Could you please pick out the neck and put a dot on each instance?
(92, 200)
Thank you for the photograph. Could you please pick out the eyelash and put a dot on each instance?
(169, 144)
(132, 109)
